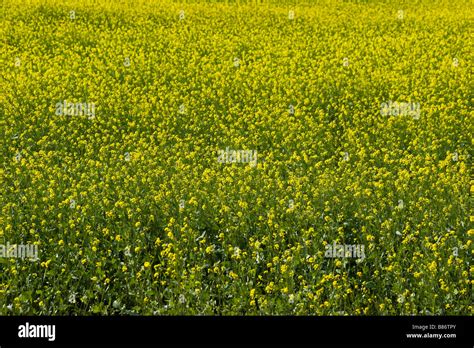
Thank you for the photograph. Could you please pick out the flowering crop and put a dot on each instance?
(203, 157)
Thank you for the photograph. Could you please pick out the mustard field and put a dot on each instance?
(236, 158)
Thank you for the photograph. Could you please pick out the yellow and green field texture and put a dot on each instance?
(201, 157)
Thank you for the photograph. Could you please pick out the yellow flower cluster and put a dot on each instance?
(358, 120)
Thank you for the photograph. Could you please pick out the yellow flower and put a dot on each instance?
(45, 264)
(270, 287)
(252, 293)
